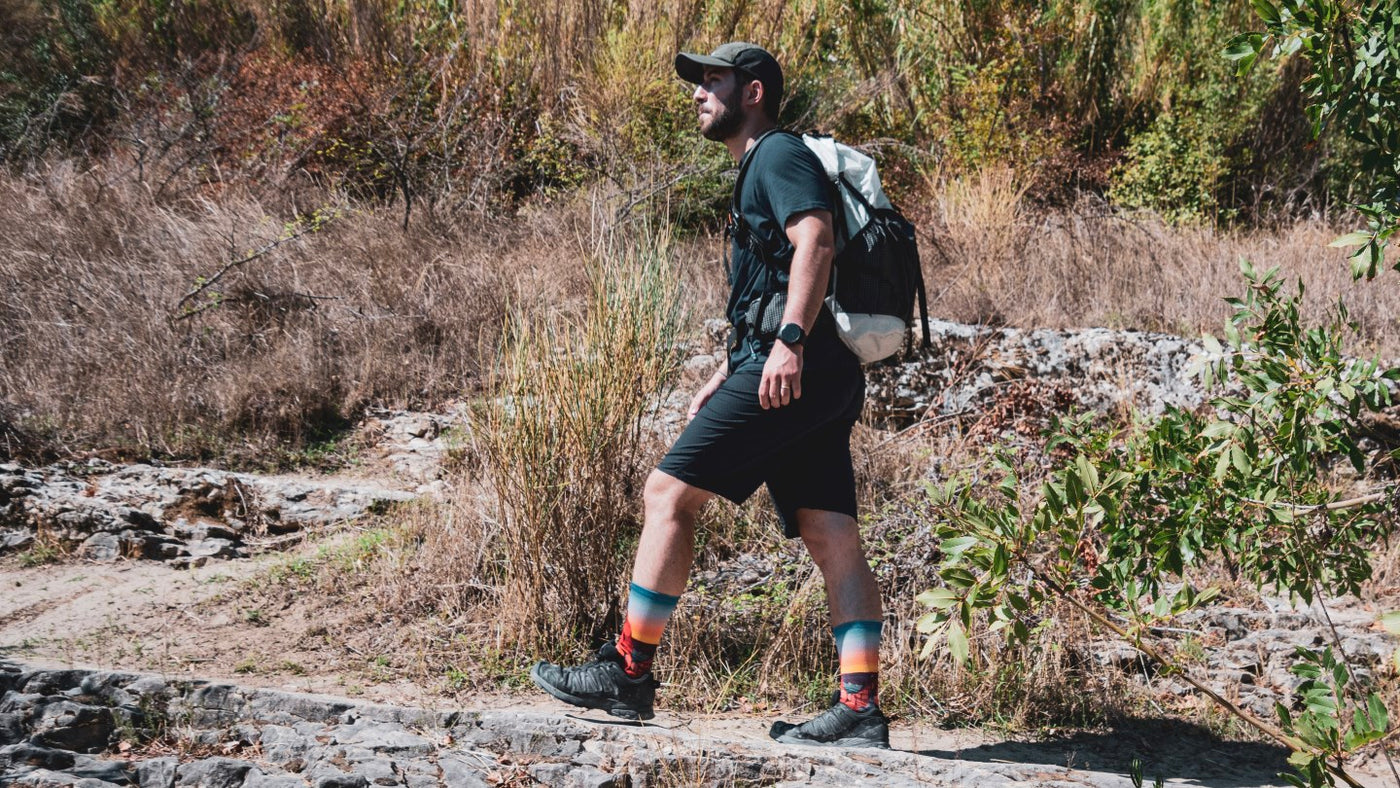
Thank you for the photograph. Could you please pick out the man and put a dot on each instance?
(779, 412)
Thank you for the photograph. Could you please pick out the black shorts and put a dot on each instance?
(802, 450)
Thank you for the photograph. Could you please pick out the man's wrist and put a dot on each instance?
(792, 334)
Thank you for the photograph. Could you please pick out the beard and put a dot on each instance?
(724, 125)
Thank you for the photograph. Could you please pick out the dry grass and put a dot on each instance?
(99, 351)
(991, 258)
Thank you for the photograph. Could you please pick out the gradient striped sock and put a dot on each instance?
(647, 614)
(858, 648)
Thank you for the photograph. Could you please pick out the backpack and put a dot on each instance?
(876, 275)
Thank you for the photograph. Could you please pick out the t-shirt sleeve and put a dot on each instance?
(794, 181)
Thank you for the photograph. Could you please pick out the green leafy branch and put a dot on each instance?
(1119, 528)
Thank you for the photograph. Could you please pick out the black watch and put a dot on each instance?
(791, 334)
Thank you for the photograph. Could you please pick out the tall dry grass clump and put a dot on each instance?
(563, 440)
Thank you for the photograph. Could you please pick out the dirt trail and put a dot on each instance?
(146, 616)
(209, 622)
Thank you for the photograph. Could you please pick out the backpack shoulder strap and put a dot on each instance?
(736, 227)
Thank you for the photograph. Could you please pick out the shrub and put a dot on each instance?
(562, 434)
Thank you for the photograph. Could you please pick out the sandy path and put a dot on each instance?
(145, 616)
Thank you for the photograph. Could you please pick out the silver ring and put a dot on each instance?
(784, 388)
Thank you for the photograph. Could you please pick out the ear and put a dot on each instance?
(753, 93)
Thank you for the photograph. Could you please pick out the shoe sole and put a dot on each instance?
(614, 708)
(847, 743)
(850, 742)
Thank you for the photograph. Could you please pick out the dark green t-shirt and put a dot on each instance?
(781, 178)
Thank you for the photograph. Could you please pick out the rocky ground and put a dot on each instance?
(97, 729)
(232, 700)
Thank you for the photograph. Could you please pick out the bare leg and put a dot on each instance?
(666, 549)
(834, 542)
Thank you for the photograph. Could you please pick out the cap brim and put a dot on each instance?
(691, 68)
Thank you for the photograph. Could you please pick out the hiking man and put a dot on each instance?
(780, 412)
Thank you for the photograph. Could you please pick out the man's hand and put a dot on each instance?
(782, 376)
(706, 391)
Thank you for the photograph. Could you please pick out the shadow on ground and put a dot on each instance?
(1170, 750)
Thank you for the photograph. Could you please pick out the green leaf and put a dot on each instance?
(1000, 564)
(1222, 466)
(1301, 760)
(1266, 11)
(930, 623)
(1218, 429)
(928, 648)
(957, 643)
(959, 578)
(1377, 714)
(1162, 607)
(955, 547)
(937, 598)
(1352, 239)
(1390, 622)
(1240, 460)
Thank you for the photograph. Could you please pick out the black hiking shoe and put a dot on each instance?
(838, 726)
(600, 684)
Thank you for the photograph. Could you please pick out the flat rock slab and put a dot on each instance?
(101, 728)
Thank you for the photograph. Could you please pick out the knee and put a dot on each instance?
(666, 496)
(832, 543)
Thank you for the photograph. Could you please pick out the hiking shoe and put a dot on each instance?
(600, 684)
(838, 726)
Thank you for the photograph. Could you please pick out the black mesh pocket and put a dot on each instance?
(765, 314)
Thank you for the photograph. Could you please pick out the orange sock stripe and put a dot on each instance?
(858, 646)
(860, 662)
(647, 614)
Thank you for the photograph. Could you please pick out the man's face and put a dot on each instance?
(718, 103)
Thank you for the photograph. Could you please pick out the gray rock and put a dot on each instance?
(34, 756)
(11, 728)
(376, 771)
(109, 771)
(101, 547)
(20, 703)
(43, 778)
(74, 726)
(15, 539)
(154, 512)
(256, 779)
(52, 682)
(586, 777)
(281, 744)
(157, 772)
(385, 737)
(325, 775)
(212, 773)
(460, 772)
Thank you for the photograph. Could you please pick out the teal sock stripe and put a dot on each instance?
(864, 627)
(656, 597)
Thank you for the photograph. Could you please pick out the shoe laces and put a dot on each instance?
(829, 723)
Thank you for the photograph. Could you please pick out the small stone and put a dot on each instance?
(101, 547)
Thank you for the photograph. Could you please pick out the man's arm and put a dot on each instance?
(813, 248)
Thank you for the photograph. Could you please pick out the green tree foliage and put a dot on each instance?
(1353, 53)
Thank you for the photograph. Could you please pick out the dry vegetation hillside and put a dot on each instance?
(228, 228)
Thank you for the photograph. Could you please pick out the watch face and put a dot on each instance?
(790, 333)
